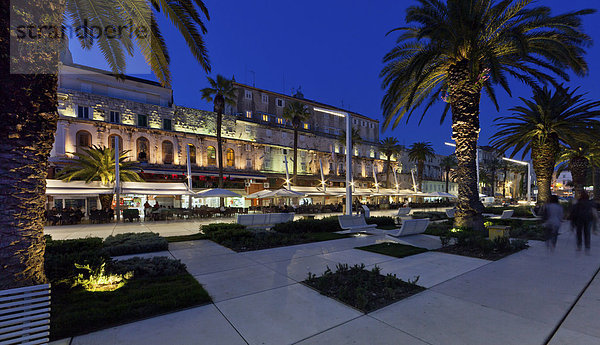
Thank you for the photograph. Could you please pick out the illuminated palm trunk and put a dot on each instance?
(28, 118)
(219, 106)
(296, 125)
(420, 168)
(578, 166)
(543, 156)
(464, 95)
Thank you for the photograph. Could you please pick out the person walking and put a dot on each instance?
(552, 216)
(583, 215)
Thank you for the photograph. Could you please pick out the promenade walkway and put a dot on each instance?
(532, 297)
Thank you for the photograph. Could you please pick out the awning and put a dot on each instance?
(59, 187)
(155, 188)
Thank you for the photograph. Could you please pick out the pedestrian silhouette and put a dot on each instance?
(583, 215)
(552, 216)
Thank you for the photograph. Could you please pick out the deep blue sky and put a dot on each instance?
(333, 50)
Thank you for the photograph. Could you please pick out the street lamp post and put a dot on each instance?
(528, 175)
(348, 153)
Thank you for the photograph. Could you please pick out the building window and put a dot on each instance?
(167, 152)
(248, 114)
(248, 163)
(355, 121)
(265, 117)
(248, 147)
(114, 117)
(112, 140)
(305, 125)
(267, 149)
(142, 120)
(248, 94)
(230, 157)
(192, 154)
(211, 155)
(83, 112)
(265, 98)
(279, 102)
(280, 121)
(267, 164)
(143, 149)
(167, 125)
(83, 140)
(269, 133)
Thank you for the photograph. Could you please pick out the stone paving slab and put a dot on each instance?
(363, 330)
(197, 265)
(567, 337)
(421, 240)
(356, 257)
(444, 320)
(299, 268)
(284, 315)
(200, 325)
(242, 281)
(198, 249)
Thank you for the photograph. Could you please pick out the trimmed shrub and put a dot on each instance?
(148, 268)
(301, 226)
(216, 227)
(134, 243)
(432, 215)
(61, 256)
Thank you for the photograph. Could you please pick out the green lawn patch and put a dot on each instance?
(397, 250)
(76, 311)
(362, 289)
(183, 238)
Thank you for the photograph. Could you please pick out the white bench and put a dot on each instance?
(366, 211)
(411, 227)
(506, 214)
(25, 315)
(354, 223)
(403, 212)
(265, 220)
(450, 212)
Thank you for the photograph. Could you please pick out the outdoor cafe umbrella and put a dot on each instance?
(217, 193)
(282, 193)
(258, 194)
(439, 195)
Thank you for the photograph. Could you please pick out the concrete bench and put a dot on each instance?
(354, 223)
(506, 214)
(450, 212)
(411, 227)
(265, 220)
(366, 211)
(403, 212)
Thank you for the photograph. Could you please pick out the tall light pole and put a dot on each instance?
(348, 153)
(528, 175)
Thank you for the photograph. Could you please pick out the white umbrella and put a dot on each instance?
(216, 193)
(258, 194)
(282, 193)
(439, 195)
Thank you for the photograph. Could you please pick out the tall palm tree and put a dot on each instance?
(491, 167)
(354, 137)
(419, 152)
(447, 164)
(297, 113)
(97, 163)
(389, 146)
(220, 92)
(452, 50)
(577, 158)
(28, 111)
(541, 124)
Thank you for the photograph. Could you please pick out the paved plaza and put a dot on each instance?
(257, 298)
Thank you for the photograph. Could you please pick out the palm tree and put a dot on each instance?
(220, 92)
(297, 113)
(97, 163)
(577, 158)
(541, 125)
(448, 163)
(452, 50)
(354, 137)
(419, 152)
(29, 115)
(389, 146)
(491, 167)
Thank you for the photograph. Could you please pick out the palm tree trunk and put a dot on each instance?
(28, 117)
(578, 167)
(543, 156)
(295, 156)
(504, 183)
(106, 200)
(494, 183)
(464, 96)
(447, 179)
(596, 183)
(387, 172)
(420, 168)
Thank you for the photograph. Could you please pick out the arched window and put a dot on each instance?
(83, 139)
(143, 149)
(193, 154)
(230, 157)
(112, 139)
(211, 155)
(167, 152)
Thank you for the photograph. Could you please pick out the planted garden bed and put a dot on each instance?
(362, 289)
(396, 250)
(91, 292)
(473, 244)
